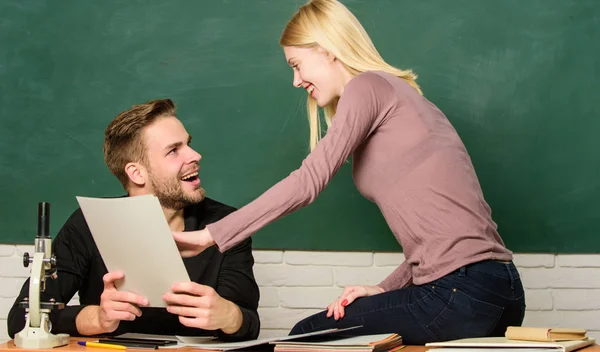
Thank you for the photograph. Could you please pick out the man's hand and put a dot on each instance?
(191, 243)
(114, 307)
(200, 306)
(336, 308)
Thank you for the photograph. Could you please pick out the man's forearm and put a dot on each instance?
(88, 321)
(236, 319)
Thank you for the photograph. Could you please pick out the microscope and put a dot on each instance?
(36, 333)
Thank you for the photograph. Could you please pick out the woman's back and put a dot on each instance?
(414, 166)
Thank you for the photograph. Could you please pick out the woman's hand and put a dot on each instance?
(191, 243)
(348, 296)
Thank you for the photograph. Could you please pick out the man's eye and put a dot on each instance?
(172, 151)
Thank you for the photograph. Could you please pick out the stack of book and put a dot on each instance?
(520, 339)
(365, 343)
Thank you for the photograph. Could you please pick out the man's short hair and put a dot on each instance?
(123, 141)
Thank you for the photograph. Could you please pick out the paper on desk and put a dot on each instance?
(197, 342)
(133, 236)
(181, 339)
(219, 345)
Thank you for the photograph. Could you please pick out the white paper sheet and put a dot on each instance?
(141, 336)
(181, 340)
(133, 236)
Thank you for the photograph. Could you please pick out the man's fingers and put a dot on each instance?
(120, 315)
(127, 297)
(110, 278)
(173, 299)
(193, 288)
(200, 323)
(124, 307)
(186, 311)
(114, 311)
(113, 275)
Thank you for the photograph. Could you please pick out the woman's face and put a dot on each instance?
(316, 71)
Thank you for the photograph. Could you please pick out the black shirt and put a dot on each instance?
(80, 269)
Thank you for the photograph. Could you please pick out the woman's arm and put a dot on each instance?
(361, 109)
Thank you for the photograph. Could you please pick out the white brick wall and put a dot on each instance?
(561, 290)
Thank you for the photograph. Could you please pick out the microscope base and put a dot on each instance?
(35, 338)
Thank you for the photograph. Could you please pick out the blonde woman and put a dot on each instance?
(458, 279)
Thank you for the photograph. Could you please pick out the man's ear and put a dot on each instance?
(137, 173)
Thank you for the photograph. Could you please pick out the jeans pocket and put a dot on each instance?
(506, 287)
(465, 316)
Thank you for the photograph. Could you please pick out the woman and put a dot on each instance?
(458, 279)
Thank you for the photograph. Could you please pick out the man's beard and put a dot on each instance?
(170, 194)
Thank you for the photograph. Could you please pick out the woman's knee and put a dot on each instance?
(309, 324)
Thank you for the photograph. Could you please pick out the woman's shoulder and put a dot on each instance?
(380, 84)
(371, 77)
(384, 79)
(370, 82)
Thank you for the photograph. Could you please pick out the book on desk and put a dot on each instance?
(520, 339)
(364, 343)
(324, 340)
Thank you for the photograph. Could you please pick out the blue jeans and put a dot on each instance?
(479, 299)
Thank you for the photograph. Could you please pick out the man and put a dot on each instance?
(148, 149)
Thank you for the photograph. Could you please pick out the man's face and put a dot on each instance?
(172, 164)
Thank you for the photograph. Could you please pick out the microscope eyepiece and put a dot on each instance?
(43, 219)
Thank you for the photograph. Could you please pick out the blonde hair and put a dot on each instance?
(330, 25)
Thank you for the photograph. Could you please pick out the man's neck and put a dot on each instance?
(174, 219)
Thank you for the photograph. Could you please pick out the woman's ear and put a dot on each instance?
(328, 55)
(331, 57)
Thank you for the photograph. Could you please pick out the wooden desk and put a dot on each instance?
(74, 347)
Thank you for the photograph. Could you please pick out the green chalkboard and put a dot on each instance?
(518, 79)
